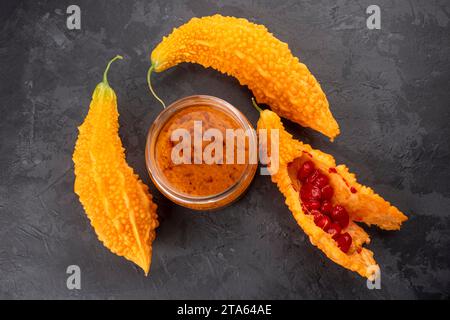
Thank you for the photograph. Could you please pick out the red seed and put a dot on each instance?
(321, 181)
(344, 241)
(334, 229)
(313, 176)
(327, 192)
(353, 190)
(340, 215)
(344, 222)
(305, 170)
(338, 212)
(332, 170)
(326, 207)
(315, 212)
(313, 205)
(322, 221)
(309, 192)
(316, 193)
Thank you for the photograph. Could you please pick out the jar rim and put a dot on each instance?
(191, 201)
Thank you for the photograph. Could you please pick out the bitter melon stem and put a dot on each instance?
(105, 74)
(149, 82)
(256, 105)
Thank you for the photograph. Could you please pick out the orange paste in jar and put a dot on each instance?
(199, 179)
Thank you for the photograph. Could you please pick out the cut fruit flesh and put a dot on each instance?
(311, 181)
(353, 257)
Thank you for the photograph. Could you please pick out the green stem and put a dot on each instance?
(256, 105)
(149, 82)
(105, 74)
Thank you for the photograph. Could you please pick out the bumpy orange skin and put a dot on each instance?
(117, 203)
(364, 205)
(257, 59)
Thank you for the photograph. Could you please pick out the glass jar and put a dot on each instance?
(204, 202)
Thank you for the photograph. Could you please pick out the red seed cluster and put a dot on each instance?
(316, 194)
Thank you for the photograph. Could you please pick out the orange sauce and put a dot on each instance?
(198, 179)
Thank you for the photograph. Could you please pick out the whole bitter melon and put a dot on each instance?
(117, 203)
(250, 53)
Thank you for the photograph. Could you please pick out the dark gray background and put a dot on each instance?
(388, 88)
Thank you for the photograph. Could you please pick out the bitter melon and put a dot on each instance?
(250, 53)
(361, 202)
(117, 203)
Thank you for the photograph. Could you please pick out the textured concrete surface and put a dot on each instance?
(388, 88)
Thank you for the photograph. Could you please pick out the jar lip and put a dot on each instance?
(152, 136)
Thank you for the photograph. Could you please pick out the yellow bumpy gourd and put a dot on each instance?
(117, 203)
(257, 59)
(364, 206)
